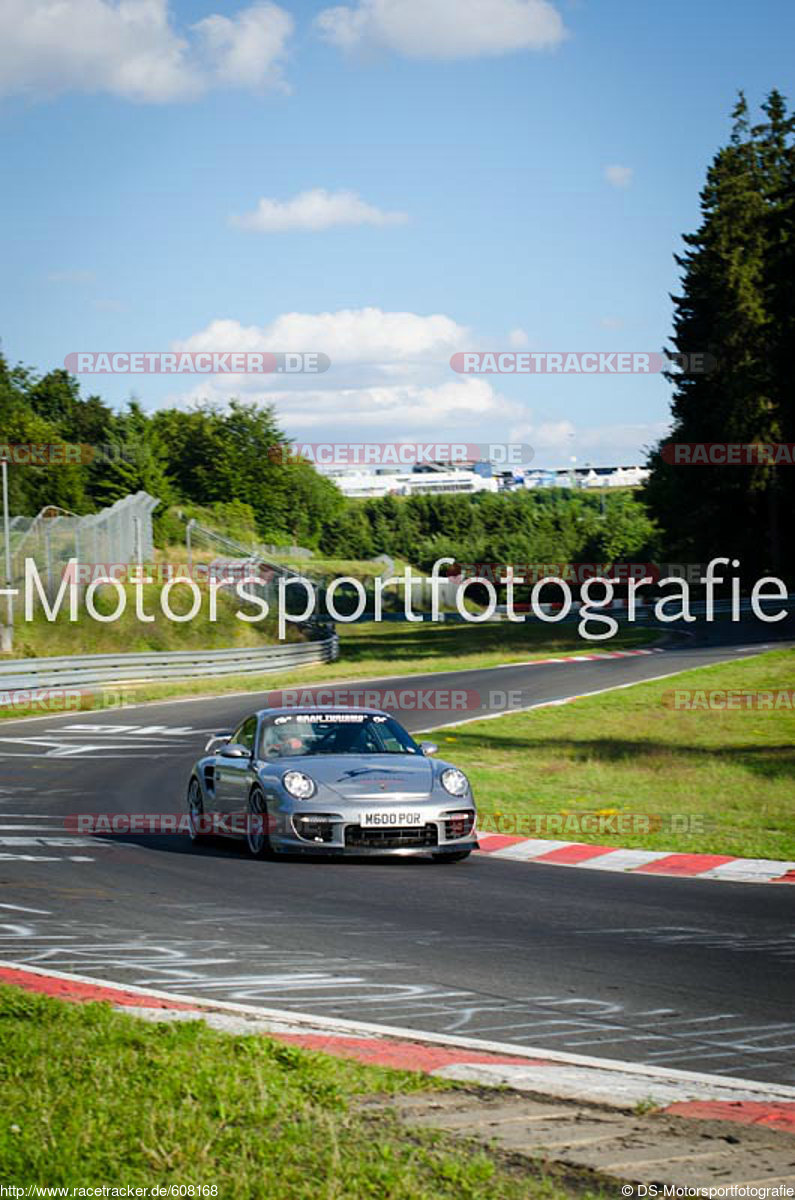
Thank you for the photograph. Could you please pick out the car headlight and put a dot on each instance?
(454, 781)
(300, 786)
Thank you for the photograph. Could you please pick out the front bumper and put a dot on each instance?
(309, 829)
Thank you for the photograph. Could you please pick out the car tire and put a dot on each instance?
(257, 839)
(195, 812)
(458, 856)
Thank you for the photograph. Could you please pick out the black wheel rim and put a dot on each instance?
(255, 826)
(195, 810)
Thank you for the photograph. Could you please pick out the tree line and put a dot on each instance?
(737, 304)
(735, 310)
(232, 461)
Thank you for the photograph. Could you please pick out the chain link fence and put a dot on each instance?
(121, 533)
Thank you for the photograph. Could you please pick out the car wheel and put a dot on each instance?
(257, 838)
(195, 812)
(451, 858)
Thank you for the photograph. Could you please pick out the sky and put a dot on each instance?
(384, 181)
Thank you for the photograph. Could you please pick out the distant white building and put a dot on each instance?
(599, 477)
(577, 477)
(422, 481)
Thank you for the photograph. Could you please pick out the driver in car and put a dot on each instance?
(282, 742)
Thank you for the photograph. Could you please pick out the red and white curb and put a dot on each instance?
(637, 862)
(621, 1085)
(575, 658)
(595, 657)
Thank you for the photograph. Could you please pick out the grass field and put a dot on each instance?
(366, 651)
(42, 638)
(93, 1097)
(730, 775)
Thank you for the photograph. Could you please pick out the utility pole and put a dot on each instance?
(8, 631)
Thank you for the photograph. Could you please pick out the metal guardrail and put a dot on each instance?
(74, 671)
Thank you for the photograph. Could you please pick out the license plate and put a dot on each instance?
(391, 818)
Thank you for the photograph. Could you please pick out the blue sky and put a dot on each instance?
(474, 137)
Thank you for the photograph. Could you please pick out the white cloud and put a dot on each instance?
(619, 177)
(461, 409)
(314, 210)
(364, 335)
(518, 338)
(131, 49)
(390, 376)
(557, 442)
(246, 50)
(444, 29)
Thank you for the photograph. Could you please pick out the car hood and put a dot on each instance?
(366, 776)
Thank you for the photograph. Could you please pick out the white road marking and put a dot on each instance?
(44, 912)
(49, 841)
(39, 858)
(137, 730)
(24, 828)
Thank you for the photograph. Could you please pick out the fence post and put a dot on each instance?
(188, 546)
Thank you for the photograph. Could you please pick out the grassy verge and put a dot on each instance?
(368, 651)
(721, 782)
(92, 1097)
(128, 635)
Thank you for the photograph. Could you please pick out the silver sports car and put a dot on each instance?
(331, 781)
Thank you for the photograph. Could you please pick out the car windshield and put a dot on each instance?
(334, 733)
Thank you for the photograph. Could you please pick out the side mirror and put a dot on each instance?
(428, 747)
(233, 750)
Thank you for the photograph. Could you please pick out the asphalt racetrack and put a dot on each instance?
(684, 973)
